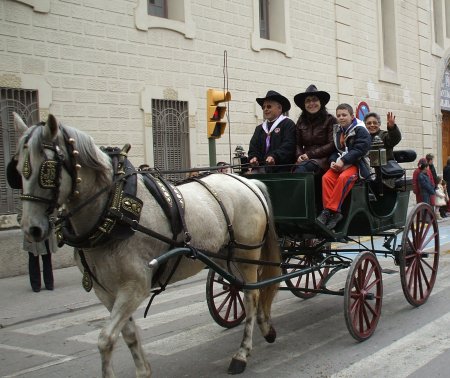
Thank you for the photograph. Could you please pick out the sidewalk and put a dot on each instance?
(20, 304)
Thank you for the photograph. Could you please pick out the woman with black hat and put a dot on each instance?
(314, 131)
(273, 142)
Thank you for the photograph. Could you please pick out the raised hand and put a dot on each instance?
(390, 120)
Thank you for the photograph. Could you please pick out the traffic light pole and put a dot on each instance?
(212, 152)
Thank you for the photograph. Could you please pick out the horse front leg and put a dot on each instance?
(130, 333)
(126, 302)
(239, 360)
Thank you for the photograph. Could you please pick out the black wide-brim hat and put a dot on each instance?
(300, 98)
(275, 96)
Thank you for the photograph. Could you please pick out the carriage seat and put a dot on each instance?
(392, 170)
(392, 176)
(405, 156)
(403, 183)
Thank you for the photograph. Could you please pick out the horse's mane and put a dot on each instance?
(89, 156)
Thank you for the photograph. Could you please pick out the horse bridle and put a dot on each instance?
(51, 169)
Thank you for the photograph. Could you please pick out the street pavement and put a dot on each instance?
(54, 334)
(20, 304)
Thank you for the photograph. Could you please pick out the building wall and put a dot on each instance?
(97, 68)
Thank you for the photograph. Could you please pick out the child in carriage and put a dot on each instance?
(352, 141)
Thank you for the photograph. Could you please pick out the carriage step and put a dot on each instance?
(389, 271)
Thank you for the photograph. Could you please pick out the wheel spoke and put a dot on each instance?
(425, 243)
(224, 302)
(220, 293)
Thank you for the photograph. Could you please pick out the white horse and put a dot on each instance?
(62, 167)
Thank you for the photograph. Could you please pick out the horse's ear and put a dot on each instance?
(19, 125)
(51, 128)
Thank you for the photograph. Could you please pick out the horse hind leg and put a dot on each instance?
(130, 333)
(239, 360)
(263, 317)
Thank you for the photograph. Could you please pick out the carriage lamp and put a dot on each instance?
(239, 159)
(377, 153)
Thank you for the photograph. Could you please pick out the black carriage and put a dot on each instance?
(313, 254)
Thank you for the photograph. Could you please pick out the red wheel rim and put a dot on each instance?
(225, 302)
(312, 280)
(363, 296)
(419, 257)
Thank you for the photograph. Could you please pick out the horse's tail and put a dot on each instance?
(270, 252)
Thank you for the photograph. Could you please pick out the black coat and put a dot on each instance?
(358, 142)
(282, 145)
(446, 175)
(390, 138)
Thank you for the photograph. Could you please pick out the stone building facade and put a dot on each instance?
(122, 72)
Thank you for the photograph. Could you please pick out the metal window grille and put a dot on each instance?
(25, 103)
(170, 121)
(264, 19)
(157, 8)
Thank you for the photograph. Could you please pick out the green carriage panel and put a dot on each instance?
(296, 200)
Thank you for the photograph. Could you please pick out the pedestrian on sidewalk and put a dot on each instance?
(44, 248)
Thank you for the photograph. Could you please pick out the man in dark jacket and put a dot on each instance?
(390, 138)
(273, 142)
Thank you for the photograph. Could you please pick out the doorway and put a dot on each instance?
(445, 137)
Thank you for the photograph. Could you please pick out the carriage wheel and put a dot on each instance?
(312, 280)
(225, 302)
(363, 296)
(419, 255)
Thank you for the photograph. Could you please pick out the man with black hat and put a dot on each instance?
(273, 142)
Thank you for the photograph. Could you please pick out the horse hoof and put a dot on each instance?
(271, 336)
(237, 366)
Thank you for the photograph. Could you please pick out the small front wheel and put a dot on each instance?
(363, 296)
(225, 302)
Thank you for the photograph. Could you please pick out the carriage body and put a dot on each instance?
(296, 200)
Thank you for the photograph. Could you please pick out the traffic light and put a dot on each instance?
(215, 112)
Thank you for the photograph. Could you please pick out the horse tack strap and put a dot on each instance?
(137, 227)
(88, 276)
(257, 196)
(232, 242)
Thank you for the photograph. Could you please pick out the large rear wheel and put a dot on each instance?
(363, 296)
(419, 254)
(225, 302)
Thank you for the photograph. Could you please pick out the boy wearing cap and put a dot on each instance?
(273, 142)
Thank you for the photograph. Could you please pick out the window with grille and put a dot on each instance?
(25, 103)
(170, 121)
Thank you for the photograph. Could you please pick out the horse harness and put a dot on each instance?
(120, 218)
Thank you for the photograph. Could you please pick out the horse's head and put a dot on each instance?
(45, 160)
